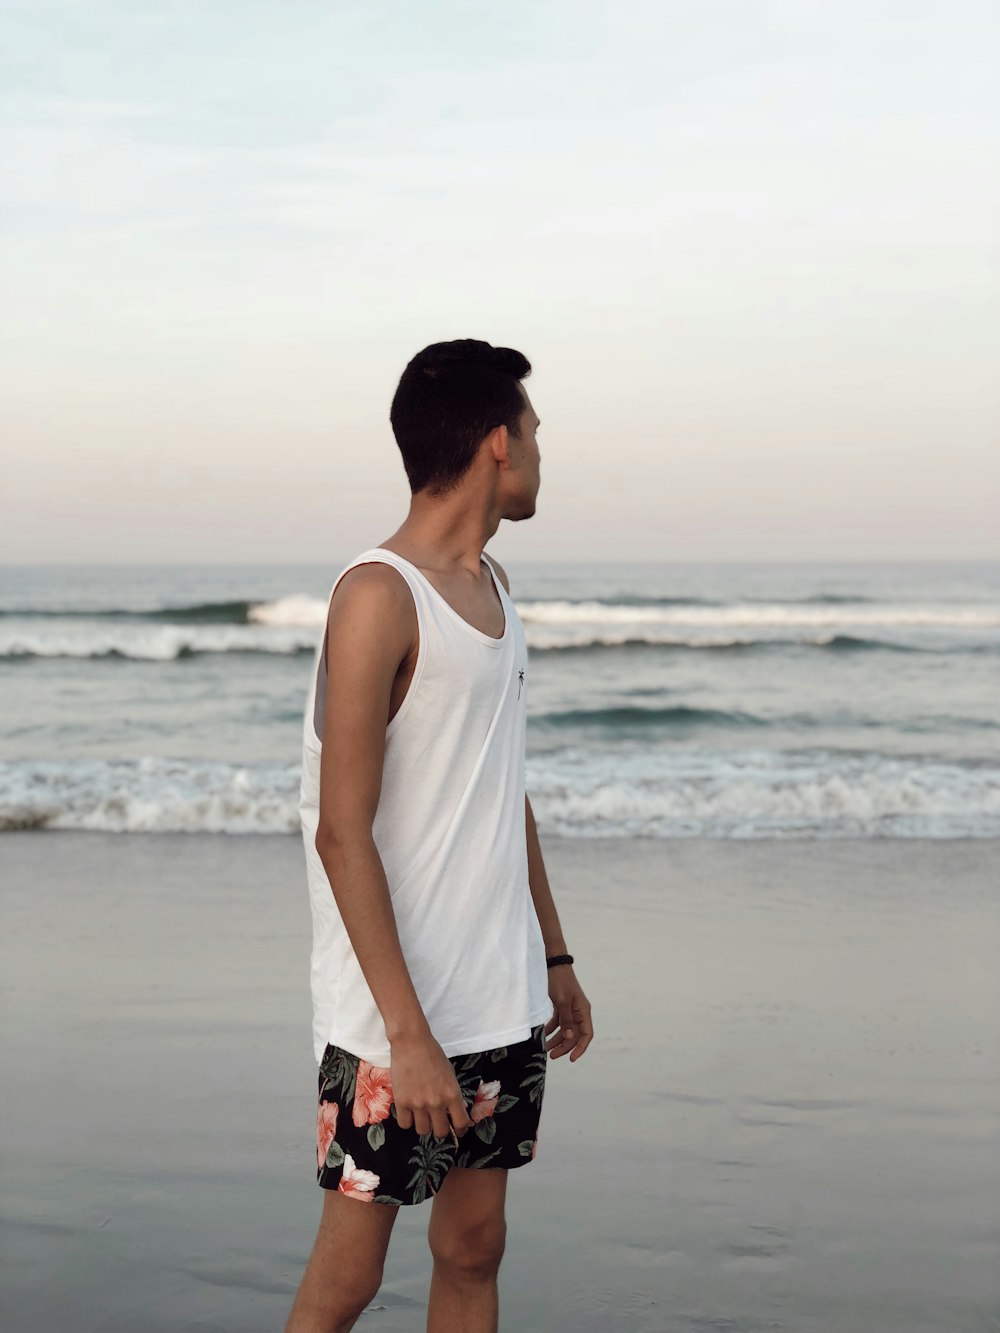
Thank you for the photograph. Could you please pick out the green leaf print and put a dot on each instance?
(334, 1154)
(534, 1080)
(498, 1053)
(485, 1161)
(376, 1135)
(487, 1130)
(432, 1158)
(468, 1083)
(524, 1147)
(506, 1102)
(386, 1198)
(340, 1068)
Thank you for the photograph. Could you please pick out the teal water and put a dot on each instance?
(664, 700)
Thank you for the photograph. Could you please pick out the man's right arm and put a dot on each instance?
(371, 629)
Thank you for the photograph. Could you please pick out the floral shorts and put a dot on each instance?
(362, 1151)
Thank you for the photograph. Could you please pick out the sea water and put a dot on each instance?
(664, 700)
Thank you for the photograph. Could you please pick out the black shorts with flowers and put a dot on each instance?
(363, 1152)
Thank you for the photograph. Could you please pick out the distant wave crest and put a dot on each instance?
(292, 624)
(629, 715)
(296, 609)
(219, 613)
(305, 610)
(760, 615)
(152, 643)
(835, 643)
(166, 643)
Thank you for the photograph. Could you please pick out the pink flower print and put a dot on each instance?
(372, 1094)
(355, 1183)
(326, 1129)
(485, 1103)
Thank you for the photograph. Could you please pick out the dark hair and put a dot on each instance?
(449, 397)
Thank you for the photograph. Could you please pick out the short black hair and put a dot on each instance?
(449, 397)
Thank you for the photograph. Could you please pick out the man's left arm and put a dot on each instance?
(570, 1022)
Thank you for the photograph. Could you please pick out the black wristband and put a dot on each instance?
(558, 958)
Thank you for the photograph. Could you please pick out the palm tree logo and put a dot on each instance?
(520, 681)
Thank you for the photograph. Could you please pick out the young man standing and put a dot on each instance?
(440, 978)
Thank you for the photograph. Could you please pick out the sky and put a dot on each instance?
(751, 249)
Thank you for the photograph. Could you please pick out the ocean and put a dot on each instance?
(665, 700)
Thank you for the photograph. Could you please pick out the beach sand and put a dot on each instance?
(788, 1119)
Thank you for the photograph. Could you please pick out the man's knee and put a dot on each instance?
(472, 1249)
(336, 1301)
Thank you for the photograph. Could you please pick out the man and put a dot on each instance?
(440, 977)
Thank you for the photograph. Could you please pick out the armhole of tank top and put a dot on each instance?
(418, 666)
(320, 667)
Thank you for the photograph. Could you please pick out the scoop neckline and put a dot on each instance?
(476, 633)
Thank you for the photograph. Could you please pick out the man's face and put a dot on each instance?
(526, 456)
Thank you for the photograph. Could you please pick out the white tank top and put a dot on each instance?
(450, 831)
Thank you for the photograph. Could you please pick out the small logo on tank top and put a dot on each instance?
(520, 681)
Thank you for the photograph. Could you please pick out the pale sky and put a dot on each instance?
(751, 250)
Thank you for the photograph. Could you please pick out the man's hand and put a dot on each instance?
(424, 1088)
(571, 1015)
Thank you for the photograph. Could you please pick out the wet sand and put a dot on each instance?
(789, 1120)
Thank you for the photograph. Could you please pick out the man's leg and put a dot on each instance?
(344, 1271)
(466, 1234)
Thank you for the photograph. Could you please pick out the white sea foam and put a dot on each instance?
(147, 641)
(760, 793)
(574, 792)
(777, 614)
(149, 795)
(291, 624)
(297, 610)
(562, 624)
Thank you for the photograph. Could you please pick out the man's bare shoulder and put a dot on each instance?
(374, 593)
(376, 579)
(501, 572)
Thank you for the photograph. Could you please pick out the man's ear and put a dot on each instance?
(499, 442)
